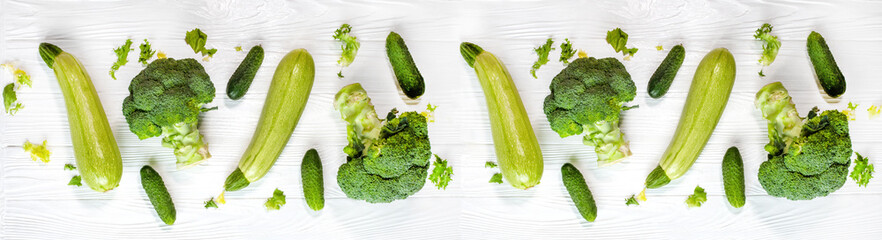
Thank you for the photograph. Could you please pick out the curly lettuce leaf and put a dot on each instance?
(197, 39)
(38, 152)
(349, 46)
(10, 100)
(542, 51)
(122, 57)
(496, 178)
(75, 181)
(618, 39)
(697, 198)
(863, 170)
(771, 44)
(146, 52)
(441, 173)
(277, 201)
(566, 51)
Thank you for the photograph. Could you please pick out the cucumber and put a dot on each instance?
(409, 78)
(663, 77)
(579, 192)
(158, 194)
(828, 73)
(244, 74)
(733, 177)
(313, 184)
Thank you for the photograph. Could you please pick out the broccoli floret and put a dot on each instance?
(385, 162)
(809, 157)
(589, 96)
(165, 100)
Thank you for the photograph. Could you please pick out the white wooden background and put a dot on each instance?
(36, 203)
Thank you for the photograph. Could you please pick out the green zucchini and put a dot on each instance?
(288, 93)
(733, 177)
(664, 75)
(708, 95)
(313, 184)
(579, 192)
(244, 74)
(828, 73)
(409, 78)
(158, 194)
(517, 149)
(95, 148)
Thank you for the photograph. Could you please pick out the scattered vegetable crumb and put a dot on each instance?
(10, 100)
(277, 201)
(70, 167)
(349, 46)
(542, 51)
(566, 51)
(659, 48)
(641, 196)
(210, 203)
(631, 201)
(146, 52)
(497, 178)
(618, 39)
(490, 164)
(197, 39)
(761, 74)
(238, 48)
(430, 112)
(582, 53)
(122, 55)
(850, 112)
(160, 55)
(873, 111)
(441, 173)
(697, 198)
(221, 199)
(20, 76)
(863, 171)
(75, 181)
(38, 152)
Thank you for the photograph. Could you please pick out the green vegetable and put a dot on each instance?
(244, 74)
(771, 44)
(807, 158)
(517, 149)
(664, 75)
(588, 96)
(490, 164)
(385, 162)
(10, 100)
(146, 52)
(20, 76)
(441, 173)
(37, 152)
(287, 97)
(196, 39)
(697, 198)
(496, 178)
(733, 177)
(158, 194)
(70, 167)
(618, 38)
(312, 180)
(122, 55)
(705, 103)
(850, 111)
(409, 78)
(579, 192)
(542, 51)
(95, 148)
(349, 46)
(276, 201)
(828, 73)
(210, 203)
(165, 99)
(566, 51)
(863, 171)
(75, 181)
(632, 201)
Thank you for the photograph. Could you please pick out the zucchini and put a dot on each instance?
(284, 104)
(664, 75)
(244, 74)
(579, 192)
(409, 78)
(517, 149)
(705, 103)
(828, 73)
(313, 184)
(158, 194)
(95, 149)
(733, 177)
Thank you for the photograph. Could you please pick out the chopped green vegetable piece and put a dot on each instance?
(20, 76)
(10, 100)
(196, 39)
(122, 55)
(75, 181)
(543, 52)
(277, 201)
(490, 164)
(146, 52)
(761, 74)
(618, 38)
(863, 171)
(566, 51)
(659, 48)
(850, 111)
(349, 46)
(38, 152)
(697, 198)
(771, 44)
(238, 48)
(874, 111)
(70, 167)
(632, 201)
(497, 178)
(210, 203)
(429, 113)
(441, 173)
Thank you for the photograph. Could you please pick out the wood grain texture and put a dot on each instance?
(35, 202)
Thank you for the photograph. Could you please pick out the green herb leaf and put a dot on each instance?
(697, 198)
(349, 46)
(277, 201)
(770, 44)
(122, 55)
(210, 203)
(631, 201)
(75, 181)
(618, 39)
(69, 167)
(490, 164)
(863, 171)
(543, 52)
(10, 100)
(146, 52)
(566, 51)
(497, 178)
(197, 39)
(441, 173)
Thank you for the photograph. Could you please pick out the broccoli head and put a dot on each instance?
(386, 161)
(808, 157)
(165, 99)
(588, 96)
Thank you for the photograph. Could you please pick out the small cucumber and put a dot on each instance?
(829, 76)
(579, 192)
(733, 177)
(313, 185)
(409, 78)
(158, 194)
(663, 77)
(244, 74)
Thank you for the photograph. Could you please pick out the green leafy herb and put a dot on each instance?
(497, 178)
(122, 57)
(349, 46)
(196, 39)
(441, 173)
(210, 203)
(38, 152)
(69, 167)
(618, 39)
(10, 100)
(490, 164)
(771, 44)
(146, 52)
(863, 171)
(632, 201)
(277, 201)
(566, 51)
(697, 198)
(75, 181)
(543, 52)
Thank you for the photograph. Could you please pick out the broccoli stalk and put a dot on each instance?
(588, 96)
